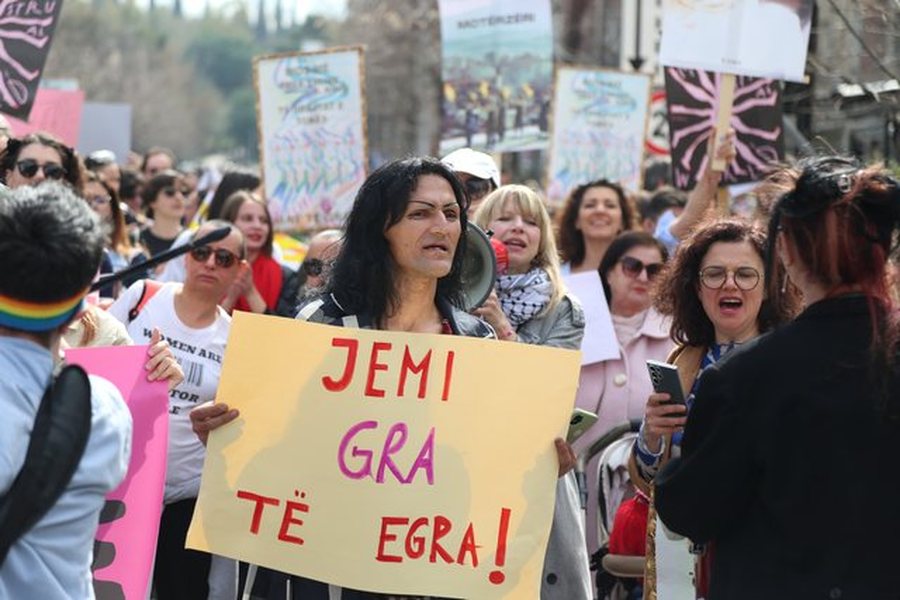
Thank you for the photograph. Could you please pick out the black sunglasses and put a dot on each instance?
(633, 267)
(313, 267)
(28, 167)
(224, 258)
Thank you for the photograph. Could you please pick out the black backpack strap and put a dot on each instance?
(60, 434)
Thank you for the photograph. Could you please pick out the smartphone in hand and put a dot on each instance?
(580, 421)
(665, 379)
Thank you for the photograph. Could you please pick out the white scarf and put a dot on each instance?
(524, 296)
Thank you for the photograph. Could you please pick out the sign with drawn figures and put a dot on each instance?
(382, 461)
(498, 72)
(599, 129)
(129, 522)
(755, 38)
(692, 98)
(312, 130)
(26, 30)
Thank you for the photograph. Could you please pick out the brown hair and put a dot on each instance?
(233, 206)
(118, 236)
(679, 289)
(571, 241)
(67, 156)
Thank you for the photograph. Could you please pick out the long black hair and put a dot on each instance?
(362, 280)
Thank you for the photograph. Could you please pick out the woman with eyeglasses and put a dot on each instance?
(593, 215)
(196, 327)
(793, 439)
(164, 202)
(717, 295)
(38, 157)
(616, 390)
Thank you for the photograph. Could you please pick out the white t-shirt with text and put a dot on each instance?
(199, 352)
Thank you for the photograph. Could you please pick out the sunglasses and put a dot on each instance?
(313, 267)
(224, 258)
(477, 188)
(171, 191)
(633, 267)
(745, 278)
(28, 167)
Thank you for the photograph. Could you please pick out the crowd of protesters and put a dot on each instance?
(784, 328)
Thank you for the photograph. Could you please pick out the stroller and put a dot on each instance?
(617, 577)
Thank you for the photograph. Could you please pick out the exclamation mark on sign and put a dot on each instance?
(497, 577)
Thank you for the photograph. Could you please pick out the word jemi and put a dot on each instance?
(408, 366)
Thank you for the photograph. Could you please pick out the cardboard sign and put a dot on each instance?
(599, 128)
(599, 342)
(391, 462)
(126, 539)
(756, 117)
(754, 38)
(312, 120)
(497, 68)
(26, 30)
(55, 111)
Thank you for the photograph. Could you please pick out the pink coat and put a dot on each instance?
(617, 390)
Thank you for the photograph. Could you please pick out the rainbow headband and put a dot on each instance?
(36, 316)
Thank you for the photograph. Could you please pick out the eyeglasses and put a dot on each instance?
(633, 267)
(170, 191)
(224, 258)
(745, 278)
(99, 200)
(313, 267)
(28, 167)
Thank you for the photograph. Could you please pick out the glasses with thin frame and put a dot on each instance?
(745, 278)
(224, 258)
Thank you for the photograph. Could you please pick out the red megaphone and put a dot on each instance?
(502, 255)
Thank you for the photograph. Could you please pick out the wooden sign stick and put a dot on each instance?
(723, 118)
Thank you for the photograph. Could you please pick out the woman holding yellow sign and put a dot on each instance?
(399, 270)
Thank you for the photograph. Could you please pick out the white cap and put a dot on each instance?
(477, 164)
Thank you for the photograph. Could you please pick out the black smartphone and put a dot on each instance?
(665, 379)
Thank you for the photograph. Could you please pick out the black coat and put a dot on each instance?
(789, 464)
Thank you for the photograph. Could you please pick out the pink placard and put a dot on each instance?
(54, 111)
(126, 538)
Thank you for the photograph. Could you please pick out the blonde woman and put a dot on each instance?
(531, 306)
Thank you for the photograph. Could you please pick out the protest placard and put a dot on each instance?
(599, 129)
(755, 38)
(105, 126)
(756, 116)
(26, 30)
(599, 342)
(126, 539)
(312, 135)
(384, 461)
(497, 68)
(55, 111)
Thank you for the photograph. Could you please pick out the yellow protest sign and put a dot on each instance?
(399, 463)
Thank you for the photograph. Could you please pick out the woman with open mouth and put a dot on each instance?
(787, 436)
(531, 306)
(718, 297)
